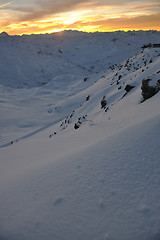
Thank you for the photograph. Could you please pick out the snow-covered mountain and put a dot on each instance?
(79, 138)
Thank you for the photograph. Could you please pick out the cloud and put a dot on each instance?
(6, 4)
(42, 9)
(149, 22)
(38, 9)
(86, 15)
(132, 22)
(153, 6)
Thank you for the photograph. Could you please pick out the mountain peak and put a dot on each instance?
(4, 34)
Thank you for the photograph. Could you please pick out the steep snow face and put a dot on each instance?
(79, 145)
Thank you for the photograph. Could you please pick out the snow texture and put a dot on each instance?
(79, 146)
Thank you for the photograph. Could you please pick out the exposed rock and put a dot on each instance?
(128, 88)
(147, 90)
(119, 77)
(51, 135)
(76, 126)
(87, 98)
(103, 102)
(14, 141)
(106, 109)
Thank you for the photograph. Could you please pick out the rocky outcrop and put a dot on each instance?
(128, 88)
(103, 102)
(148, 90)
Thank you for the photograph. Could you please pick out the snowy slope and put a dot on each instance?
(40, 72)
(71, 168)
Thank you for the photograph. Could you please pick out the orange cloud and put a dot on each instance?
(133, 23)
(83, 15)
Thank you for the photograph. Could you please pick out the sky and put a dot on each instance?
(46, 16)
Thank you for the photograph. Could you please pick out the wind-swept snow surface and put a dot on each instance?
(79, 149)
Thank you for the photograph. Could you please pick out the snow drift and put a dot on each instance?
(79, 142)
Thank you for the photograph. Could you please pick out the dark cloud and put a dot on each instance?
(38, 9)
(112, 2)
(43, 9)
(117, 3)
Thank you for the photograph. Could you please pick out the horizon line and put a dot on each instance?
(75, 30)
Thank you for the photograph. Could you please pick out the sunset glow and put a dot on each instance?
(20, 17)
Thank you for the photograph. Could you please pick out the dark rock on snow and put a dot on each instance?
(128, 88)
(103, 102)
(149, 91)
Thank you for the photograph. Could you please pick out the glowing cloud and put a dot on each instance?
(41, 16)
(1, 6)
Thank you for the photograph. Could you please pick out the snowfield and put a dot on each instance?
(79, 142)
